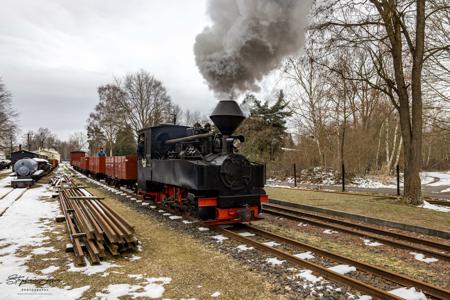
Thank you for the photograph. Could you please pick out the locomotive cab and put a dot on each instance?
(196, 169)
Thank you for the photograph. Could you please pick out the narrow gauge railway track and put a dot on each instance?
(438, 250)
(2, 212)
(402, 280)
(7, 193)
(377, 293)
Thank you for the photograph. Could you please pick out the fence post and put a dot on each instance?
(295, 175)
(265, 173)
(398, 180)
(343, 177)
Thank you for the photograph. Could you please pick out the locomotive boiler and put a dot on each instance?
(198, 169)
(29, 170)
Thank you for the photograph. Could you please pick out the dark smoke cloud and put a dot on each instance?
(247, 40)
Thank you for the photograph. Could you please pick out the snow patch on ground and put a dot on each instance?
(275, 261)
(409, 294)
(305, 255)
(49, 269)
(154, 288)
(434, 207)
(302, 224)
(371, 244)
(307, 274)
(187, 222)
(203, 229)
(175, 217)
(43, 250)
(365, 297)
(134, 257)
(271, 244)
(421, 257)
(215, 294)
(443, 178)
(244, 248)
(246, 233)
(219, 238)
(25, 226)
(371, 183)
(342, 269)
(329, 231)
(91, 269)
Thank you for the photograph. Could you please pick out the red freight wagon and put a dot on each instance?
(75, 157)
(84, 163)
(97, 165)
(109, 166)
(125, 167)
(125, 170)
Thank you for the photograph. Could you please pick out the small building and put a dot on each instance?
(49, 153)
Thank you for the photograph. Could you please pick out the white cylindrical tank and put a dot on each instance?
(25, 167)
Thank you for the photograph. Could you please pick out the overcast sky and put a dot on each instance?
(54, 54)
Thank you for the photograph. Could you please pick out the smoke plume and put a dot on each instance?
(247, 40)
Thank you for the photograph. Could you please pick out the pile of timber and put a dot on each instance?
(96, 231)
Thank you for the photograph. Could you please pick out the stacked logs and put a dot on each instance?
(94, 228)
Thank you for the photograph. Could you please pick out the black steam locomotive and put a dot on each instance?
(198, 170)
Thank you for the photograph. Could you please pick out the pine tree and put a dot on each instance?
(265, 129)
(125, 143)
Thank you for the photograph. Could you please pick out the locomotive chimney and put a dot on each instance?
(227, 116)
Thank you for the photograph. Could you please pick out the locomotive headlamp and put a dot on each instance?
(236, 143)
(237, 140)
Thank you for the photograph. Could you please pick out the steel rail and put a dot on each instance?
(92, 222)
(364, 227)
(17, 198)
(329, 274)
(429, 289)
(317, 220)
(397, 278)
(12, 189)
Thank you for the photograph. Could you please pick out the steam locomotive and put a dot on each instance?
(29, 170)
(194, 169)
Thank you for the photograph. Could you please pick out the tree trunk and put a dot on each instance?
(413, 162)
(410, 109)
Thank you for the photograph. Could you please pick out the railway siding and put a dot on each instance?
(366, 219)
(224, 244)
(368, 207)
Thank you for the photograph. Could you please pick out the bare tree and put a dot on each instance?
(7, 117)
(146, 101)
(392, 32)
(108, 116)
(78, 141)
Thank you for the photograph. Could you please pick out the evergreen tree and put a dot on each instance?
(265, 129)
(125, 143)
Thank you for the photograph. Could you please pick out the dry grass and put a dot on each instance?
(376, 207)
(196, 270)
